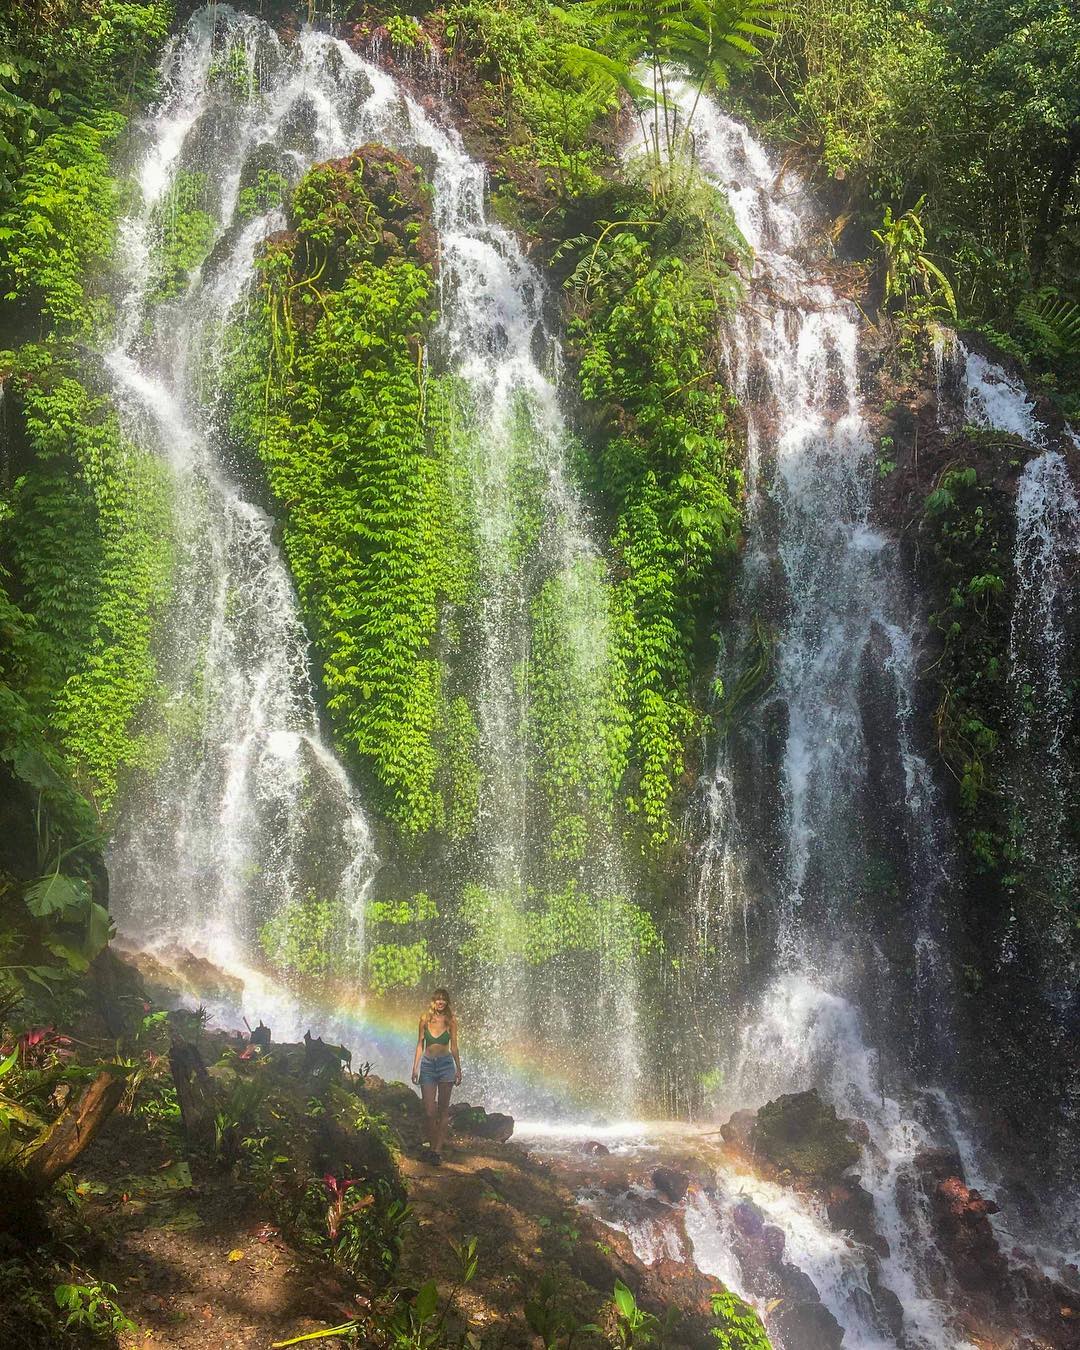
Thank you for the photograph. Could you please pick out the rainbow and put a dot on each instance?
(378, 1031)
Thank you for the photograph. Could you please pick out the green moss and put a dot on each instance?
(330, 387)
(666, 468)
(90, 539)
(502, 927)
(801, 1134)
(312, 939)
(968, 524)
(263, 195)
(578, 721)
(393, 965)
(59, 235)
(184, 231)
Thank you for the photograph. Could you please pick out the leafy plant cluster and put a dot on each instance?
(971, 107)
(545, 119)
(184, 230)
(84, 560)
(88, 535)
(499, 927)
(330, 389)
(968, 525)
(646, 293)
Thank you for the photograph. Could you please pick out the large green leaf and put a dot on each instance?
(57, 893)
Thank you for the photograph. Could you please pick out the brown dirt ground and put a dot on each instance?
(198, 1266)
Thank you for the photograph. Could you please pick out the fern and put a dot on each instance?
(1052, 321)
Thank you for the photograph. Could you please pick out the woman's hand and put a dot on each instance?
(457, 1080)
(415, 1077)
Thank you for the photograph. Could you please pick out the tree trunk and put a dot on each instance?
(194, 1089)
(59, 1147)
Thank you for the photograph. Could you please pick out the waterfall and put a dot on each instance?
(860, 860)
(250, 807)
(1045, 558)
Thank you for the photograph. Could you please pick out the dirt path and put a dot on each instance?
(198, 1265)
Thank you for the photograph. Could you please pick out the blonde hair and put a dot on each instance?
(449, 1012)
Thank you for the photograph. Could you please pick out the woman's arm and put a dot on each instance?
(419, 1052)
(454, 1049)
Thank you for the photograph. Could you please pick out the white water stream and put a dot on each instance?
(845, 622)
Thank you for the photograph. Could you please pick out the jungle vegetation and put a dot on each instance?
(946, 135)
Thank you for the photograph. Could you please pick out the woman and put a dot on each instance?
(437, 1066)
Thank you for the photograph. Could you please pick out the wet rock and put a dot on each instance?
(850, 1208)
(658, 1230)
(804, 1326)
(857, 1130)
(738, 1130)
(672, 1183)
(887, 1312)
(684, 1285)
(802, 1135)
(595, 1149)
(773, 1241)
(474, 1120)
(748, 1219)
(797, 1319)
(961, 1223)
(174, 973)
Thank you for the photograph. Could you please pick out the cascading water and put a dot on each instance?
(1046, 555)
(853, 806)
(250, 808)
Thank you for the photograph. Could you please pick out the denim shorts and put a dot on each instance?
(437, 1069)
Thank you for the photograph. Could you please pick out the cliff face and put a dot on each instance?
(985, 512)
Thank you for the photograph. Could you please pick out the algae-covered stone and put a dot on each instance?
(801, 1134)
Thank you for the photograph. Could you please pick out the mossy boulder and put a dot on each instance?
(801, 1134)
(371, 206)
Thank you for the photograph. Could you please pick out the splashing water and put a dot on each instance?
(1047, 552)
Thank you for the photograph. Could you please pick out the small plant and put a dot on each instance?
(908, 270)
(93, 1305)
(342, 1205)
(404, 30)
(236, 1117)
(547, 1318)
(42, 1044)
(371, 1236)
(634, 1326)
(741, 1327)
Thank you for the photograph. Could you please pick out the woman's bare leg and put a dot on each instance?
(427, 1091)
(441, 1112)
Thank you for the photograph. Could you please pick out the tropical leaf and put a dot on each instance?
(55, 894)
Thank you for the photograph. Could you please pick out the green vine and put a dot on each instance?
(645, 337)
(330, 389)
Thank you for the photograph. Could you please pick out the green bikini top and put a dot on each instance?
(429, 1039)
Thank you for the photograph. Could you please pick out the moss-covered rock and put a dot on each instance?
(801, 1134)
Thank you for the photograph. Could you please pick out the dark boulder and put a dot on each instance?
(960, 1217)
(481, 1124)
(802, 1135)
(738, 1129)
(850, 1208)
(671, 1183)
